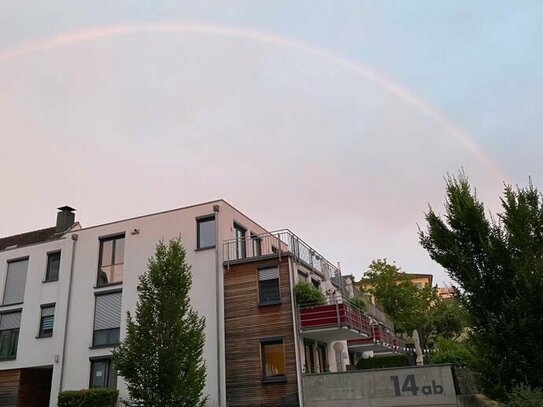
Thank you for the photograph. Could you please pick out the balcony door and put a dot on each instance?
(240, 234)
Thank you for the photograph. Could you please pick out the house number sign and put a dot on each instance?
(409, 387)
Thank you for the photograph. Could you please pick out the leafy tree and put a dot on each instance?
(407, 305)
(161, 358)
(497, 263)
(410, 307)
(448, 318)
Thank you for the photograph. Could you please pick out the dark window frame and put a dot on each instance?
(256, 245)
(15, 260)
(199, 221)
(274, 301)
(102, 240)
(115, 331)
(108, 371)
(48, 278)
(14, 331)
(316, 283)
(280, 378)
(41, 333)
(241, 242)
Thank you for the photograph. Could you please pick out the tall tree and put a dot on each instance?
(408, 306)
(497, 263)
(161, 358)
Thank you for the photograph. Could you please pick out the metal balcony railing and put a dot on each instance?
(277, 243)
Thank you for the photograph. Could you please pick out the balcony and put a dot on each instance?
(336, 320)
(381, 340)
(275, 245)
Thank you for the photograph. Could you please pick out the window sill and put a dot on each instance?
(274, 379)
(8, 358)
(44, 336)
(49, 281)
(108, 285)
(199, 249)
(12, 304)
(265, 304)
(110, 345)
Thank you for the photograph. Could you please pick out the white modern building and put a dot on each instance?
(65, 291)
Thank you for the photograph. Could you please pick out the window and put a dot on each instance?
(256, 243)
(103, 374)
(309, 353)
(53, 266)
(268, 286)
(47, 320)
(205, 232)
(273, 360)
(15, 282)
(9, 334)
(107, 319)
(239, 235)
(302, 276)
(316, 283)
(111, 260)
(321, 357)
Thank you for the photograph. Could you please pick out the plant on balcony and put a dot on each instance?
(306, 294)
(359, 302)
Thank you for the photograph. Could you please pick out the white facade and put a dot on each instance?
(69, 350)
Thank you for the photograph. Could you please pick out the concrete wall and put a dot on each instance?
(424, 386)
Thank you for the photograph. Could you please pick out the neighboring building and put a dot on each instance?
(419, 280)
(445, 293)
(67, 290)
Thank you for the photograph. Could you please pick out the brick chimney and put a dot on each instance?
(65, 218)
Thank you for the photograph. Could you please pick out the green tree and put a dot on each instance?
(448, 318)
(497, 263)
(408, 306)
(413, 308)
(161, 358)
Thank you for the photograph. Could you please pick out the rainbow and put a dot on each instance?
(264, 37)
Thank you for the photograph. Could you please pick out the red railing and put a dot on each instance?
(334, 315)
(380, 336)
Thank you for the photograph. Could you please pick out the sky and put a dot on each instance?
(336, 119)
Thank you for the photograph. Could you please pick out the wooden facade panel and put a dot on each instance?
(246, 324)
(9, 387)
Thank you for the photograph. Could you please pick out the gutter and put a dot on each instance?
(218, 306)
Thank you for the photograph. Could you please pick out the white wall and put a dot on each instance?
(138, 249)
(33, 352)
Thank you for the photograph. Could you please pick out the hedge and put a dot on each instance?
(380, 362)
(88, 398)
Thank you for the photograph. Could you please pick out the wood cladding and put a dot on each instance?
(9, 387)
(246, 324)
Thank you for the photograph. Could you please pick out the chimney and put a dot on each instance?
(65, 218)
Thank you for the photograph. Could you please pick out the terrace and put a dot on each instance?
(339, 318)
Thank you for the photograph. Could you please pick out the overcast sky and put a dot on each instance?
(336, 119)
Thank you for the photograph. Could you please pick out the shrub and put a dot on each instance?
(524, 396)
(454, 352)
(306, 294)
(88, 398)
(380, 362)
